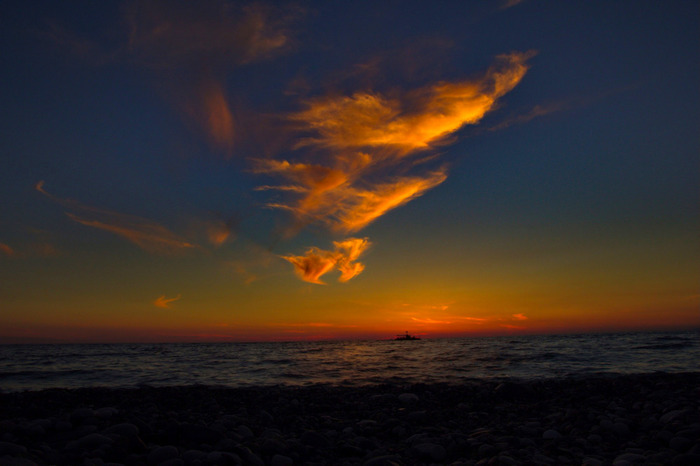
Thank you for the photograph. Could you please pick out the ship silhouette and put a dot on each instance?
(407, 336)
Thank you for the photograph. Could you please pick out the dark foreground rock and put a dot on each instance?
(620, 420)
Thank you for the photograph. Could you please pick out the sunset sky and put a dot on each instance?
(176, 171)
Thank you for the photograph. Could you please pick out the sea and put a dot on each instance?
(346, 363)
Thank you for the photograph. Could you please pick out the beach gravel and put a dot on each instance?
(597, 420)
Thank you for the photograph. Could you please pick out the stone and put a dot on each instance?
(106, 413)
(680, 444)
(244, 431)
(172, 462)
(383, 460)
(629, 458)
(551, 434)
(281, 460)
(686, 459)
(191, 456)
(90, 441)
(507, 461)
(431, 451)
(408, 398)
(8, 448)
(621, 429)
(81, 414)
(313, 439)
(160, 454)
(124, 429)
(487, 450)
(671, 415)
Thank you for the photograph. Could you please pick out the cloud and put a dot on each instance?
(164, 302)
(510, 3)
(316, 262)
(414, 121)
(220, 231)
(519, 317)
(428, 320)
(339, 198)
(361, 147)
(536, 112)
(191, 48)
(167, 34)
(6, 250)
(145, 233)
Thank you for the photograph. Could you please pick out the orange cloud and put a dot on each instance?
(7, 250)
(164, 302)
(367, 139)
(413, 122)
(430, 321)
(519, 317)
(317, 262)
(145, 233)
(342, 200)
(219, 231)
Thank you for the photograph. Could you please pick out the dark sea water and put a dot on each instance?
(33, 367)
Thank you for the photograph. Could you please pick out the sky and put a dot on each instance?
(219, 171)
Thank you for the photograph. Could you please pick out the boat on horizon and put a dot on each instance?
(407, 336)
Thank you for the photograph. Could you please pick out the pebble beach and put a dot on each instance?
(593, 420)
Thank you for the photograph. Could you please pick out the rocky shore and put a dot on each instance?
(634, 419)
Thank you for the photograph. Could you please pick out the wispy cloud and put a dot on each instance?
(519, 317)
(510, 3)
(145, 233)
(413, 121)
(363, 147)
(164, 302)
(191, 48)
(428, 320)
(316, 262)
(6, 250)
(204, 42)
(536, 112)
